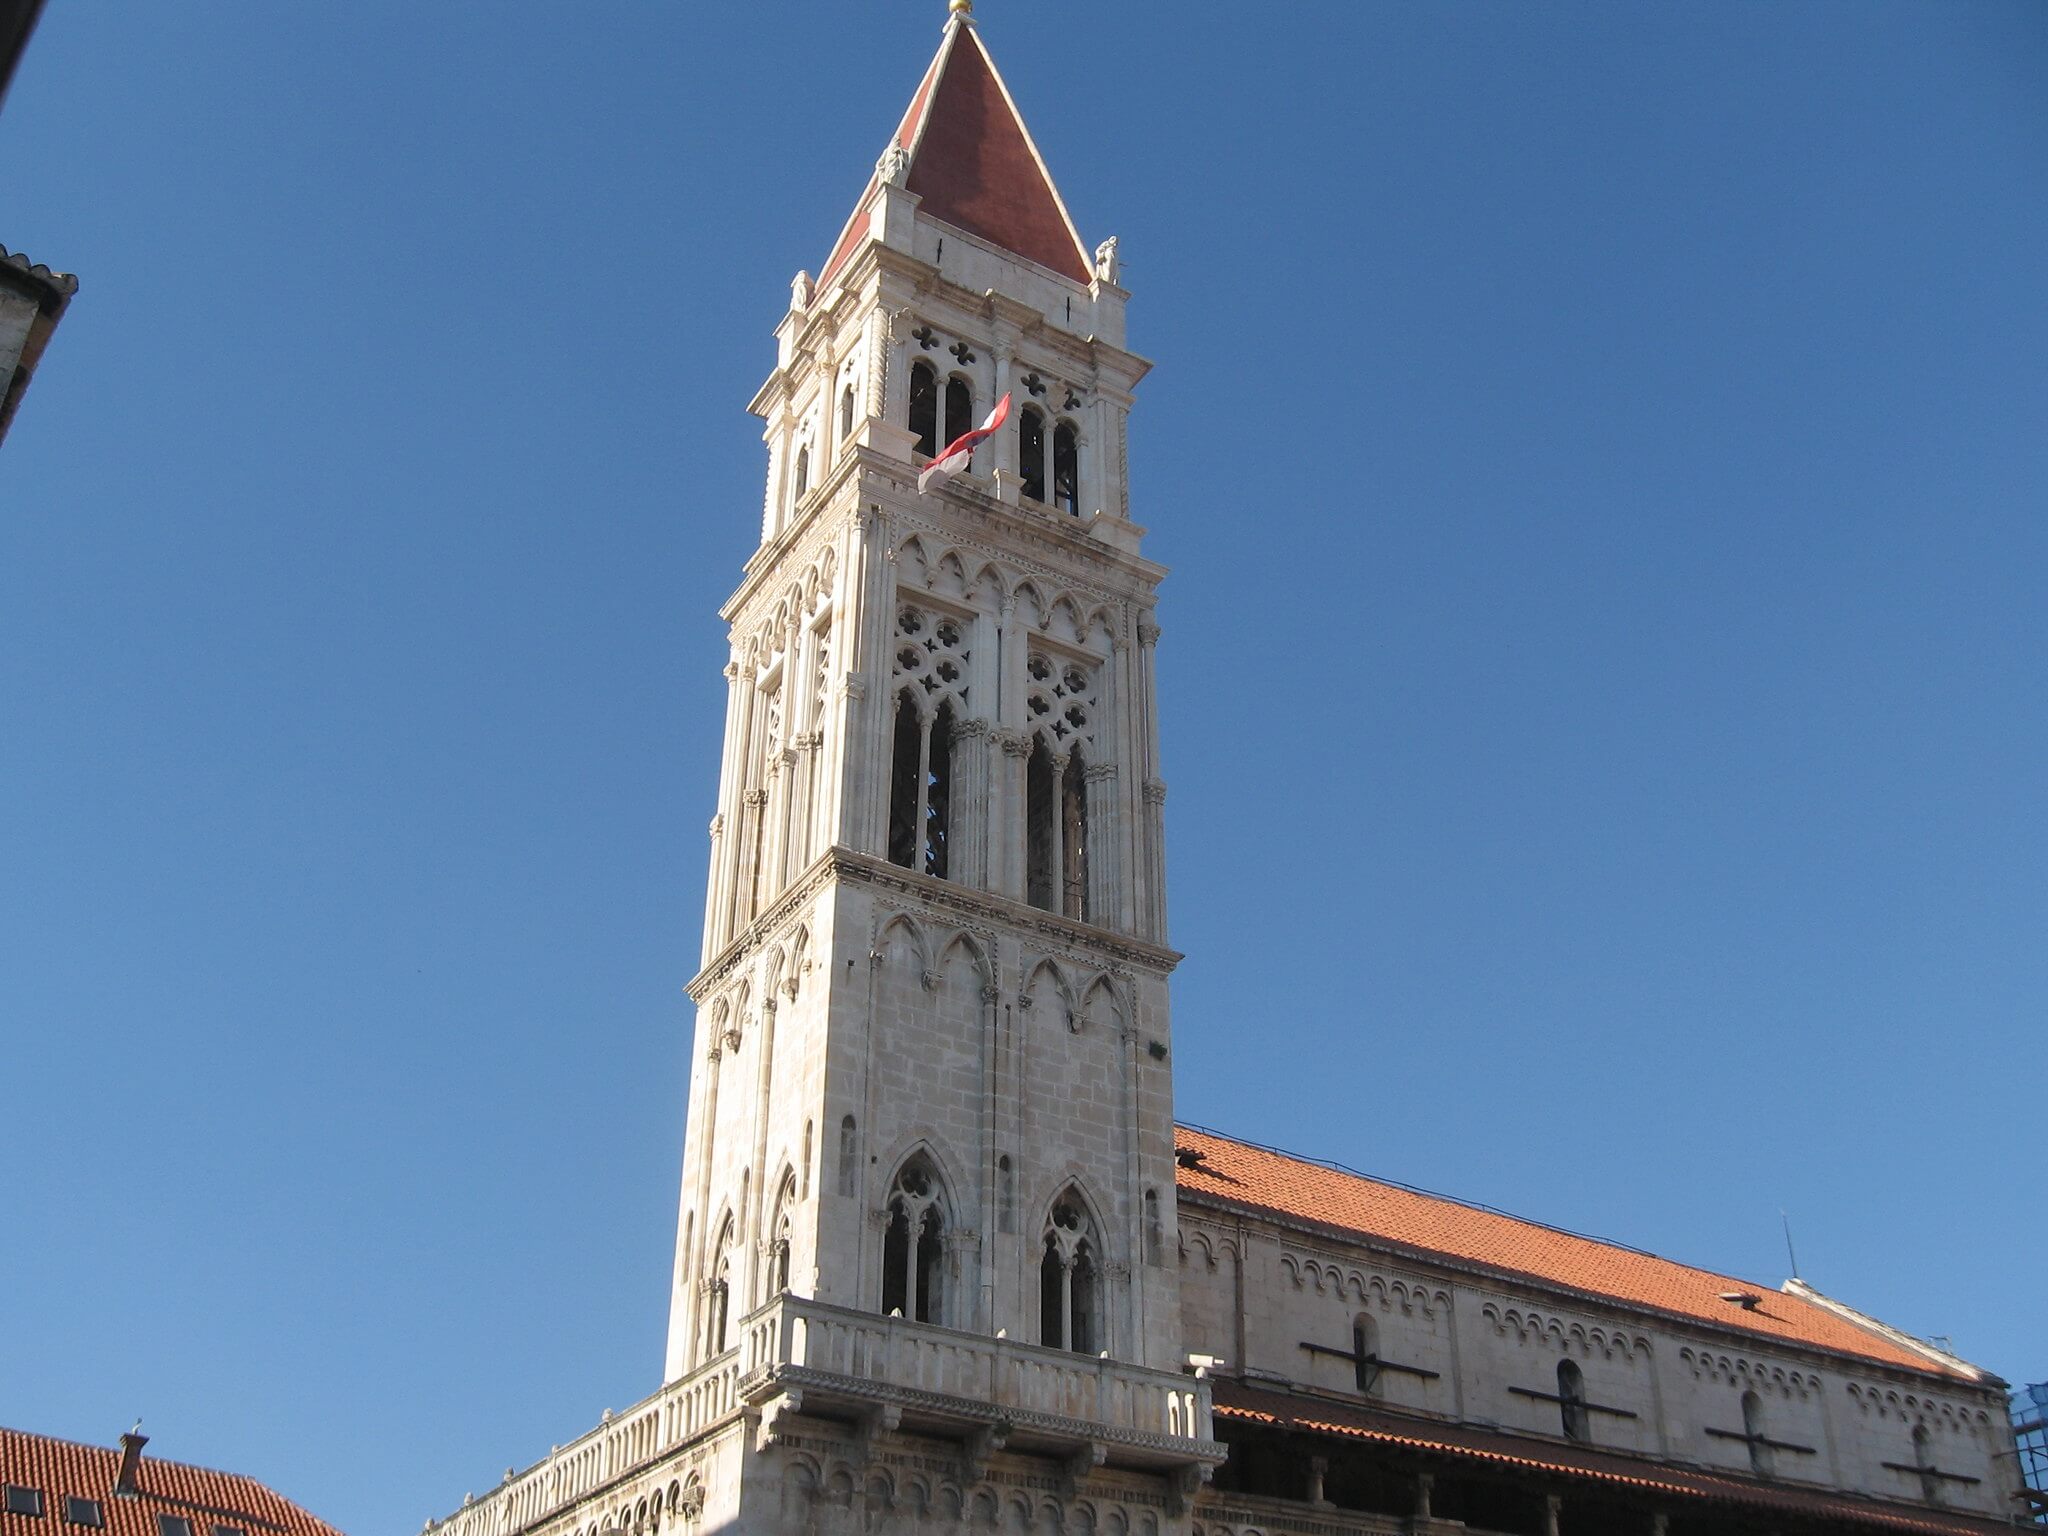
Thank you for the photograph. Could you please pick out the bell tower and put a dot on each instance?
(928, 1183)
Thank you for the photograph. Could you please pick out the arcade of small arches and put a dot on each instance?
(1048, 447)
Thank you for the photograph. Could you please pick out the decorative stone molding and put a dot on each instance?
(1388, 1293)
(1155, 792)
(1530, 1326)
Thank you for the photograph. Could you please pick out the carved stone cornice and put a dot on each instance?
(982, 908)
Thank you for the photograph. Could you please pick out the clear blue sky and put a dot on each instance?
(1603, 450)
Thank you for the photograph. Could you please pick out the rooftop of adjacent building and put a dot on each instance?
(1260, 1179)
(52, 1487)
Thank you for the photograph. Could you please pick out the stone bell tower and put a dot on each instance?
(926, 1260)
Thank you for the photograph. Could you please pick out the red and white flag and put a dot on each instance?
(960, 452)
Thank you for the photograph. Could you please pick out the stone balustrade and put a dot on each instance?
(796, 1355)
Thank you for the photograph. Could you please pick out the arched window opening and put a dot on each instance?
(913, 1246)
(849, 1156)
(803, 473)
(1155, 1232)
(1031, 453)
(1006, 1195)
(1365, 1353)
(783, 1228)
(1068, 1280)
(904, 773)
(846, 412)
(938, 795)
(924, 408)
(1923, 1458)
(1041, 829)
(719, 1295)
(1074, 840)
(959, 407)
(1066, 469)
(1753, 1432)
(1571, 1401)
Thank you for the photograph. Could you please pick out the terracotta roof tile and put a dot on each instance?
(974, 165)
(1235, 1401)
(63, 1468)
(1263, 1180)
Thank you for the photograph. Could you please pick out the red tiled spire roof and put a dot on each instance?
(974, 165)
(1259, 1179)
(61, 1469)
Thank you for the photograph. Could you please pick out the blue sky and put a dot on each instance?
(1601, 450)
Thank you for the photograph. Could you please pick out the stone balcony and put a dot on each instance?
(986, 1393)
(878, 1374)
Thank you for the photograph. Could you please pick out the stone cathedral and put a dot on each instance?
(944, 1261)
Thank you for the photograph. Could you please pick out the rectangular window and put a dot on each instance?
(84, 1511)
(173, 1525)
(24, 1501)
(229, 1530)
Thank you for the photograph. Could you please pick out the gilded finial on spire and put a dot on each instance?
(961, 8)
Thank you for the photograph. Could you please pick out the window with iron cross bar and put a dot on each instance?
(1946, 1477)
(1365, 1360)
(1552, 1397)
(1776, 1445)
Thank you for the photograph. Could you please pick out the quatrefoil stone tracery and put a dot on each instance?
(1061, 702)
(932, 655)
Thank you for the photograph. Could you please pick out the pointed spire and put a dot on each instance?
(964, 150)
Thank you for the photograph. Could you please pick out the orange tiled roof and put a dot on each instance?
(1264, 1180)
(973, 164)
(63, 1468)
(1280, 1410)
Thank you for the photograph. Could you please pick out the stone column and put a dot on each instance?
(967, 851)
(1551, 1505)
(1318, 1468)
(1425, 1483)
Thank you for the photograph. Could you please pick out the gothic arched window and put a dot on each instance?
(1066, 468)
(1069, 1279)
(907, 765)
(718, 1297)
(846, 412)
(1571, 1401)
(783, 1227)
(959, 407)
(924, 408)
(1031, 452)
(914, 1246)
(1041, 828)
(803, 473)
(1074, 839)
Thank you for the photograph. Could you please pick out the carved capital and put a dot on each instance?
(732, 671)
(1155, 792)
(718, 825)
(1099, 773)
(854, 686)
(732, 1038)
(1148, 632)
(991, 994)
(1013, 743)
(757, 796)
(971, 728)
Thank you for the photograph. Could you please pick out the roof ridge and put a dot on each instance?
(163, 1461)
